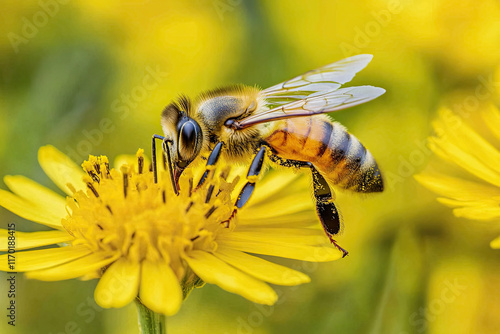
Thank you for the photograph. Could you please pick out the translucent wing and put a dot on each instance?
(326, 102)
(316, 82)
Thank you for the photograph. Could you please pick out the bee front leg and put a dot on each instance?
(252, 175)
(211, 161)
(327, 212)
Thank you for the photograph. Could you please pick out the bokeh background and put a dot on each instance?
(92, 76)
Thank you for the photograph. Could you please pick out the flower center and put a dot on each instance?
(127, 214)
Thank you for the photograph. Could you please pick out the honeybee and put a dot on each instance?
(286, 123)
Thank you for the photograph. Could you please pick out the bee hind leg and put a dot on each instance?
(326, 210)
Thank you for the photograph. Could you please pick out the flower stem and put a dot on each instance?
(149, 321)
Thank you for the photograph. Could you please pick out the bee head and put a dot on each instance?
(183, 134)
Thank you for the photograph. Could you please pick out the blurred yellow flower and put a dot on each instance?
(142, 241)
(458, 143)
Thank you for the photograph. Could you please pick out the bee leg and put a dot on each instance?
(248, 188)
(166, 152)
(212, 160)
(327, 212)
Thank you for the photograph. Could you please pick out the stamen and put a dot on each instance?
(109, 209)
(91, 187)
(210, 211)
(164, 196)
(140, 163)
(97, 168)
(125, 183)
(209, 193)
(189, 206)
(94, 176)
(190, 190)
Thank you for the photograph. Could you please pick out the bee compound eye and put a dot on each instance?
(188, 140)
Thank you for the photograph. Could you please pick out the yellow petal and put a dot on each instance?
(297, 202)
(451, 203)
(160, 290)
(33, 192)
(466, 140)
(260, 268)
(449, 151)
(495, 243)
(61, 169)
(456, 188)
(298, 220)
(286, 250)
(478, 213)
(25, 240)
(74, 269)
(28, 210)
(119, 285)
(274, 183)
(305, 236)
(43, 258)
(212, 270)
(491, 116)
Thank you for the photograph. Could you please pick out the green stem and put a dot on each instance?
(149, 321)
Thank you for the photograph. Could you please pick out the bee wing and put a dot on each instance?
(327, 102)
(315, 82)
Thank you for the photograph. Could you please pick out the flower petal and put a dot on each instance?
(119, 284)
(43, 258)
(260, 268)
(491, 116)
(33, 192)
(275, 183)
(453, 131)
(286, 205)
(495, 243)
(281, 249)
(28, 210)
(478, 213)
(25, 240)
(160, 290)
(298, 220)
(212, 270)
(456, 188)
(74, 269)
(61, 169)
(448, 151)
(305, 236)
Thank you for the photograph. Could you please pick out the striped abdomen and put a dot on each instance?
(338, 155)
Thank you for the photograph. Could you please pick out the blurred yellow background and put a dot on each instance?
(93, 76)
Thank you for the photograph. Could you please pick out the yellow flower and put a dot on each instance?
(456, 142)
(141, 240)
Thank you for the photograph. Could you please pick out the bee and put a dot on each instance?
(286, 123)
